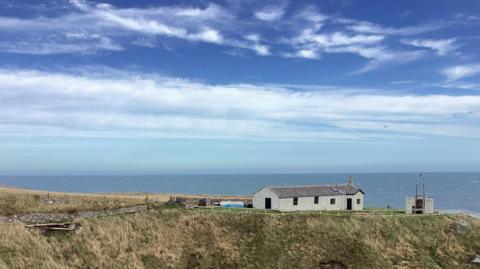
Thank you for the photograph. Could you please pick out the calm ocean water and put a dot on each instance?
(460, 191)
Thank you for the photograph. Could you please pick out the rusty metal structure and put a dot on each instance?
(419, 206)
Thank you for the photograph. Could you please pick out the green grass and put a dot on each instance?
(370, 211)
(179, 238)
(171, 237)
(20, 203)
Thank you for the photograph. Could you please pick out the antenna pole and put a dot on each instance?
(423, 189)
(416, 191)
(416, 196)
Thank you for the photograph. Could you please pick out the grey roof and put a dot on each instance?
(315, 190)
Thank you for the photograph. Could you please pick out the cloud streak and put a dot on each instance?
(441, 46)
(117, 104)
(273, 13)
(373, 28)
(461, 71)
(262, 29)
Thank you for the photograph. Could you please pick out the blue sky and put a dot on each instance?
(145, 87)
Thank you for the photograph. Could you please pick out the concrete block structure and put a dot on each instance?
(420, 205)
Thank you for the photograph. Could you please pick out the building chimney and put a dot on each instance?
(350, 180)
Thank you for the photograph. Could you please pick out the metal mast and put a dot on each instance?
(423, 190)
(420, 196)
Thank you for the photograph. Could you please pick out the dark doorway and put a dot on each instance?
(268, 203)
(349, 203)
(419, 206)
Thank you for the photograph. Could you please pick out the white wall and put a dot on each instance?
(306, 203)
(410, 201)
(429, 205)
(259, 199)
(356, 206)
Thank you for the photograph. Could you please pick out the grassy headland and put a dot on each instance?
(179, 238)
(19, 201)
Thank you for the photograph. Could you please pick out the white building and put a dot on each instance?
(318, 197)
(419, 205)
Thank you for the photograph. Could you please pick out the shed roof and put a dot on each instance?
(314, 190)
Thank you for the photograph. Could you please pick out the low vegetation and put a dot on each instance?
(17, 201)
(367, 211)
(170, 237)
(20, 201)
(178, 238)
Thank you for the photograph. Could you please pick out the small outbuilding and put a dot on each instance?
(419, 205)
(316, 197)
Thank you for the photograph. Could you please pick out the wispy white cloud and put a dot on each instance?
(312, 42)
(103, 26)
(86, 45)
(311, 45)
(303, 53)
(261, 49)
(256, 44)
(372, 28)
(111, 104)
(253, 37)
(461, 85)
(401, 82)
(380, 56)
(441, 46)
(147, 21)
(272, 13)
(264, 29)
(461, 71)
(334, 39)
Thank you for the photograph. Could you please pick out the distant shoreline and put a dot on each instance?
(450, 190)
(164, 197)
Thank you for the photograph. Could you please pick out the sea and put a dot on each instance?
(451, 191)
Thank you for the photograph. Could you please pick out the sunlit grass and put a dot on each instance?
(180, 238)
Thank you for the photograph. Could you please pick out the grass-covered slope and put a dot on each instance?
(174, 238)
(15, 201)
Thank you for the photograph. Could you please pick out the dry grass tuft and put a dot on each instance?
(174, 238)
